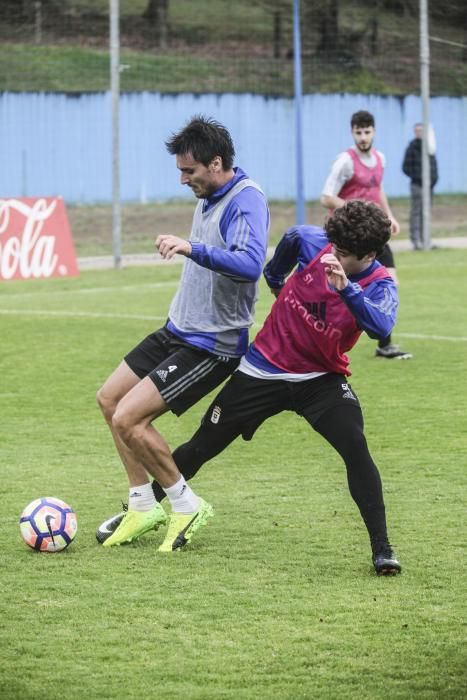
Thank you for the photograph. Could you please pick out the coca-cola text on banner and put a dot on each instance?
(35, 239)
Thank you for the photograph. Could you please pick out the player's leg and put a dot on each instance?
(179, 380)
(136, 365)
(386, 349)
(239, 409)
(342, 427)
(120, 382)
(133, 422)
(139, 405)
(143, 514)
(333, 410)
(204, 445)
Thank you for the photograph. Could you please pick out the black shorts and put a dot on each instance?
(182, 373)
(246, 402)
(386, 258)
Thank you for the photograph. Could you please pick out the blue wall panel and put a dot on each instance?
(55, 144)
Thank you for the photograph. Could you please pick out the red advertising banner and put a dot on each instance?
(35, 239)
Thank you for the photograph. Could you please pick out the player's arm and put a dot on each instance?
(395, 228)
(341, 172)
(331, 201)
(297, 247)
(244, 227)
(284, 260)
(374, 307)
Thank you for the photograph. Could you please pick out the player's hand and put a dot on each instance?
(395, 228)
(168, 246)
(334, 271)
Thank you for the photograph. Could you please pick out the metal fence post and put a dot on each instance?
(300, 203)
(115, 90)
(425, 93)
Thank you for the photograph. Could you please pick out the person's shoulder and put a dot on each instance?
(346, 155)
(308, 232)
(342, 163)
(240, 176)
(382, 275)
(381, 156)
(249, 196)
(250, 186)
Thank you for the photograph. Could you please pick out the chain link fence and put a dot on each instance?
(216, 46)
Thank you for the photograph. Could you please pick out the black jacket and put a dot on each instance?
(412, 165)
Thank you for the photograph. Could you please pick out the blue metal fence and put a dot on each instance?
(59, 144)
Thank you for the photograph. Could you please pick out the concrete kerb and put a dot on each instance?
(104, 262)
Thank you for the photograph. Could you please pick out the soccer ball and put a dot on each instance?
(48, 524)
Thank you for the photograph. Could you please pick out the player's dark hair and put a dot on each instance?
(362, 119)
(204, 138)
(358, 228)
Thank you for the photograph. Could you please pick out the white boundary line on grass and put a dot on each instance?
(421, 336)
(143, 317)
(79, 314)
(94, 290)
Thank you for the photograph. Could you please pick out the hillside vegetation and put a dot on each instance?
(363, 46)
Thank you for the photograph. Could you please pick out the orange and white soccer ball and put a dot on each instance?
(48, 524)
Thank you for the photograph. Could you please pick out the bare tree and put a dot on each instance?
(328, 28)
(281, 14)
(157, 14)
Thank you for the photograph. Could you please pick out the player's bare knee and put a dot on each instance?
(100, 398)
(122, 425)
(106, 404)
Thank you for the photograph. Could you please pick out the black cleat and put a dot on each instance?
(393, 352)
(385, 562)
(108, 527)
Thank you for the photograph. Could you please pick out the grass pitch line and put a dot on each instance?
(78, 314)
(145, 317)
(421, 336)
(95, 290)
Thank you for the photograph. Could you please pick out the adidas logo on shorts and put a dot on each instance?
(348, 394)
(216, 414)
(162, 373)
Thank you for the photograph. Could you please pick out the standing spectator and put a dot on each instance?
(412, 167)
(357, 173)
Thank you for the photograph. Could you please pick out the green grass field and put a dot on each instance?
(276, 598)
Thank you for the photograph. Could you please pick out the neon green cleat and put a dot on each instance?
(182, 527)
(135, 523)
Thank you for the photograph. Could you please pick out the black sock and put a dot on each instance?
(384, 342)
(159, 492)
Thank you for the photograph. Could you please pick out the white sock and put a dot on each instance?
(141, 498)
(182, 498)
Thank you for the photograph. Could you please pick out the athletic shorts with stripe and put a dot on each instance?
(386, 258)
(182, 373)
(246, 402)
